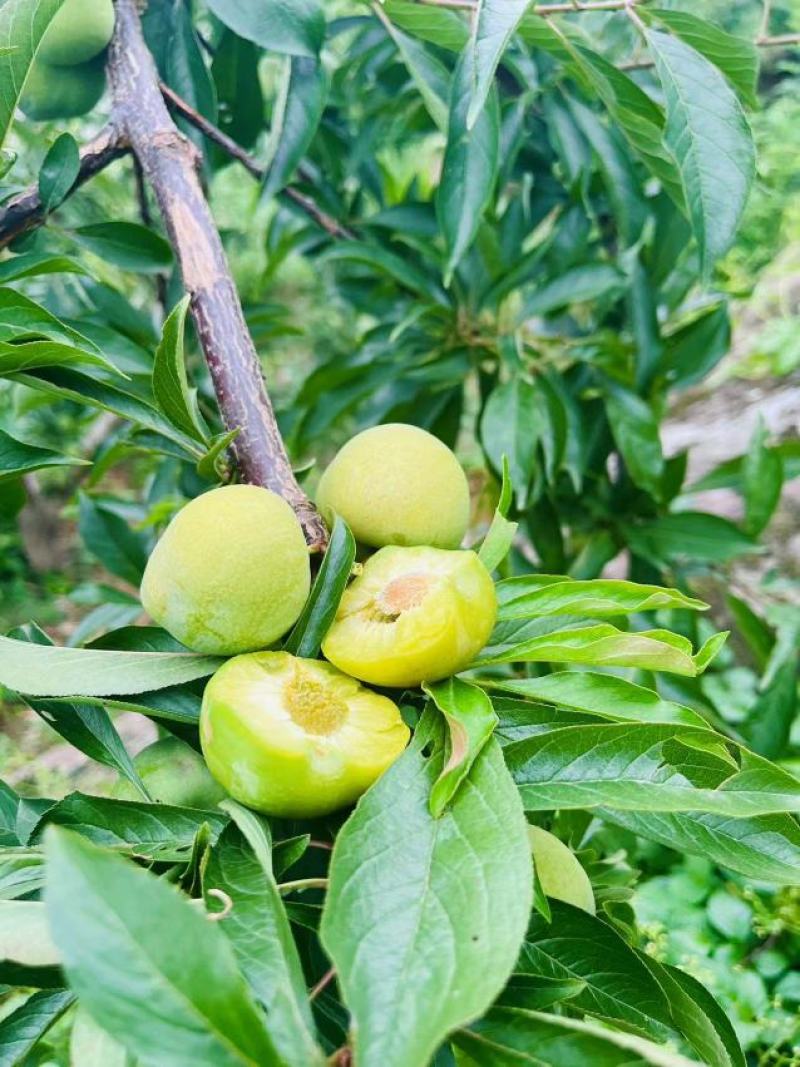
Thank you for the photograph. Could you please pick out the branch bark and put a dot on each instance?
(169, 163)
(25, 211)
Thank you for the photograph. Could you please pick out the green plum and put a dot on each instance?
(397, 485)
(414, 615)
(295, 737)
(62, 92)
(559, 872)
(79, 31)
(173, 773)
(231, 572)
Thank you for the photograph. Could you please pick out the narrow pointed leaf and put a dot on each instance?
(170, 385)
(471, 720)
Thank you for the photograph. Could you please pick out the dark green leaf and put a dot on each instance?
(122, 550)
(170, 385)
(689, 535)
(320, 608)
(17, 458)
(295, 29)
(495, 22)
(58, 171)
(694, 349)
(127, 245)
(576, 286)
(20, 1030)
(762, 481)
(295, 118)
(511, 426)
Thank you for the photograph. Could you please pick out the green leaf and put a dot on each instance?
(212, 465)
(296, 115)
(510, 1036)
(636, 433)
(17, 458)
(122, 550)
(295, 29)
(600, 694)
(762, 481)
(511, 426)
(239, 97)
(694, 349)
(320, 608)
(603, 645)
(500, 535)
(575, 286)
(127, 245)
(258, 930)
(647, 767)
(424, 917)
(689, 535)
(697, 1016)
(20, 1030)
(768, 725)
(38, 670)
(404, 272)
(708, 135)
(91, 1046)
(22, 25)
(437, 26)
(130, 940)
(495, 22)
(471, 720)
(32, 264)
(736, 57)
(33, 355)
(170, 385)
(617, 986)
(25, 936)
(431, 77)
(765, 847)
(523, 598)
(58, 171)
(469, 169)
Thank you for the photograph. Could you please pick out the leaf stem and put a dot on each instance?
(302, 884)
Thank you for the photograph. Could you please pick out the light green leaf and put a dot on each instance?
(170, 385)
(708, 135)
(762, 481)
(32, 355)
(575, 286)
(445, 29)
(495, 22)
(295, 29)
(431, 77)
(523, 598)
(25, 934)
(127, 245)
(22, 26)
(17, 458)
(470, 720)
(118, 928)
(636, 433)
(511, 426)
(424, 917)
(49, 671)
(500, 536)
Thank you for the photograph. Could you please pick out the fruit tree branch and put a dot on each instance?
(25, 211)
(169, 163)
(235, 151)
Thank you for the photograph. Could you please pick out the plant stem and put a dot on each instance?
(301, 884)
(169, 163)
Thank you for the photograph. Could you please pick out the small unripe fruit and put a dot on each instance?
(397, 485)
(62, 92)
(231, 572)
(559, 872)
(79, 31)
(173, 773)
(414, 615)
(294, 737)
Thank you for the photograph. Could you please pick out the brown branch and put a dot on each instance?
(235, 151)
(170, 164)
(25, 211)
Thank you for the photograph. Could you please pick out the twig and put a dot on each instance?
(766, 12)
(25, 211)
(235, 151)
(302, 883)
(324, 981)
(170, 165)
(568, 8)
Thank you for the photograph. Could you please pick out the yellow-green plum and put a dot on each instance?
(397, 485)
(230, 573)
(559, 872)
(79, 31)
(173, 773)
(294, 737)
(413, 615)
(62, 92)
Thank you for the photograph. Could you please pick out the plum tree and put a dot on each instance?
(295, 737)
(397, 485)
(231, 572)
(174, 774)
(79, 31)
(62, 92)
(559, 872)
(414, 615)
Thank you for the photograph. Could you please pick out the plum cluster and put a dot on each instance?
(67, 77)
(298, 737)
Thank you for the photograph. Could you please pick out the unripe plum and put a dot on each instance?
(414, 615)
(62, 92)
(397, 485)
(295, 737)
(80, 30)
(559, 872)
(174, 774)
(230, 573)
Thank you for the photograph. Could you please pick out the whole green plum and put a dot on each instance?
(79, 31)
(397, 485)
(231, 572)
(173, 773)
(62, 92)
